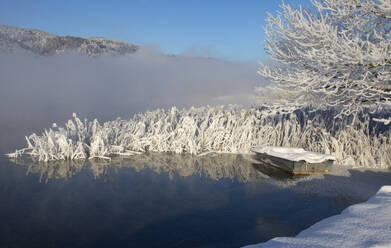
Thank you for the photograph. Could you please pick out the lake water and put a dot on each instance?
(162, 200)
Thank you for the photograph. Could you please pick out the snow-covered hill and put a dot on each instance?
(42, 43)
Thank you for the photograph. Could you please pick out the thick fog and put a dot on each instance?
(36, 91)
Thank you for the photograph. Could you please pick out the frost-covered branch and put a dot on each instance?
(340, 52)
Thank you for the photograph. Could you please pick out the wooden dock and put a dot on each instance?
(298, 164)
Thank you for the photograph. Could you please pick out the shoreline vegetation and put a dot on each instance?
(357, 141)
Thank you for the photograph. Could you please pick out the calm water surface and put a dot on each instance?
(159, 200)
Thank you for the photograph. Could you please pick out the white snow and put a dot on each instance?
(362, 225)
(293, 154)
(223, 129)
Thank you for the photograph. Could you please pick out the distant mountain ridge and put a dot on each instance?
(42, 43)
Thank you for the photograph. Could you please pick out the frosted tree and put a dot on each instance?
(339, 51)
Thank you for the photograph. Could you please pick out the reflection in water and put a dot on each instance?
(167, 200)
(273, 172)
(213, 166)
(338, 183)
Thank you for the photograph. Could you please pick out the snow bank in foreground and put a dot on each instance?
(293, 154)
(362, 225)
(229, 129)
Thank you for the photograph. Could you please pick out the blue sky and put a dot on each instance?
(229, 29)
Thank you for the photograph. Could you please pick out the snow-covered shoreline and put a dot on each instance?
(363, 225)
(224, 129)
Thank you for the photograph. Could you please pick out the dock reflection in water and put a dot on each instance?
(153, 200)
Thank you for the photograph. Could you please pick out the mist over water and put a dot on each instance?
(36, 91)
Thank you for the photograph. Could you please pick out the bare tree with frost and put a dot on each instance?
(339, 52)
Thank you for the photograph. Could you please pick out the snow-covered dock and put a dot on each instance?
(362, 225)
(295, 160)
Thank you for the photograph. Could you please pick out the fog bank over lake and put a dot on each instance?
(36, 91)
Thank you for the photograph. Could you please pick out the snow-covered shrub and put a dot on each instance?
(356, 141)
